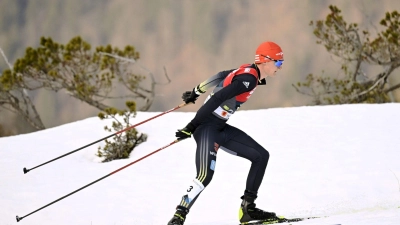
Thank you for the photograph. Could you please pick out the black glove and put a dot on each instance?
(190, 96)
(185, 132)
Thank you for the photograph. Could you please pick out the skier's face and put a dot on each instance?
(269, 69)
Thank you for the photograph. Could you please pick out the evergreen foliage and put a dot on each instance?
(123, 143)
(355, 48)
(89, 76)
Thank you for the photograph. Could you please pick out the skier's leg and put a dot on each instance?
(206, 157)
(239, 143)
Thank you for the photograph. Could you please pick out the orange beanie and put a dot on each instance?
(269, 49)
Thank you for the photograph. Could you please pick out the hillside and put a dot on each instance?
(337, 162)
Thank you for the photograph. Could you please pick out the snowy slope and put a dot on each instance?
(342, 162)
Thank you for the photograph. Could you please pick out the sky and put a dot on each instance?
(339, 163)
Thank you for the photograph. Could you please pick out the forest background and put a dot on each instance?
(191, 39)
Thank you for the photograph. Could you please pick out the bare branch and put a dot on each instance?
(358, 65)
(5, 58)
(34, 120)
(398, 181)
(371, 88)
(302, 92)
(148, 99)
(166, 75)
(392, 88)
(118, 57)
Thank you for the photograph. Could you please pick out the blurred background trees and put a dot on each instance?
(192, 39)
(355, 50)
(92, 77)
(88, 76)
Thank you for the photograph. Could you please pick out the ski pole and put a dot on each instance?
(128, 128)
(176, 141)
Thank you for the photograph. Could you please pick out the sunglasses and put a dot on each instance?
(278, 63)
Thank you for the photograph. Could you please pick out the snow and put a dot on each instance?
(340, 163)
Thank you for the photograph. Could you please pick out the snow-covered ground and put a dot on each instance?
(341, 163)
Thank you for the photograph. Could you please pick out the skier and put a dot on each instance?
(211, 132)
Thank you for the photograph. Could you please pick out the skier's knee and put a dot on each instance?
(263, 157)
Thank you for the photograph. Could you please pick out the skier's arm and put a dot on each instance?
(191, 96)
(213, 81)
(235, 88)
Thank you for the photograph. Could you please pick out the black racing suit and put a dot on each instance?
(213, 133)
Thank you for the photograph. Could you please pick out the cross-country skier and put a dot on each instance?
(211, 132)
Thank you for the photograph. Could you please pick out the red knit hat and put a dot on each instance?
(268, 49)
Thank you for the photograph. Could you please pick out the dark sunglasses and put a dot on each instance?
(278, 63)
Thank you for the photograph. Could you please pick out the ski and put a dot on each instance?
(278, 220)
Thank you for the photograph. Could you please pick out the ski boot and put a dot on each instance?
(179, 216)
(249, 212)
